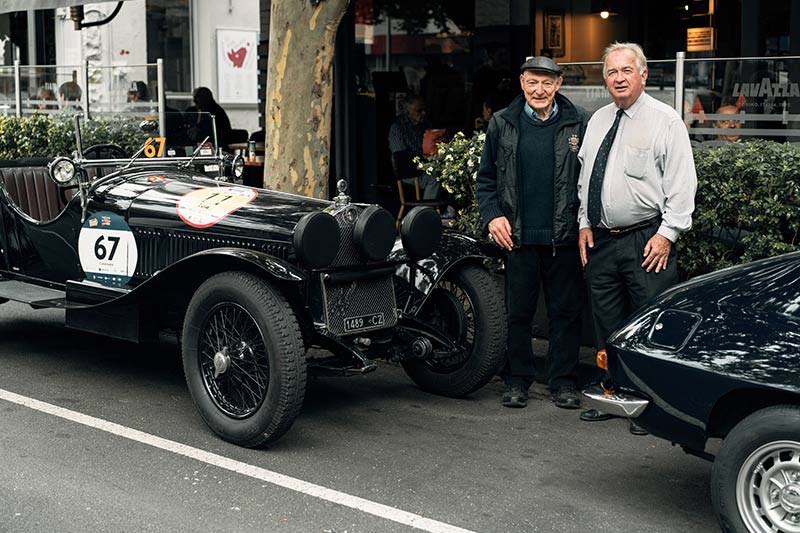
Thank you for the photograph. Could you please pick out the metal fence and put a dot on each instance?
(130, 90)
(720, 99)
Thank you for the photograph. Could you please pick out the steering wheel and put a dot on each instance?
(105, 151)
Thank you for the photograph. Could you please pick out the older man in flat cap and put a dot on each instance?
(528, 198)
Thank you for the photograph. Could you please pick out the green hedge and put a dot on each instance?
(53, 135)
(747, 206)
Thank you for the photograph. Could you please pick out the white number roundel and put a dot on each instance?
(107, 249)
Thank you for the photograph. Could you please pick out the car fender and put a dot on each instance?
(455, 249)
(191, 271)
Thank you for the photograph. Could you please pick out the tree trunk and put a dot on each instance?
(299, 95)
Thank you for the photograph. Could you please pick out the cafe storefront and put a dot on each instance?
(705, 56)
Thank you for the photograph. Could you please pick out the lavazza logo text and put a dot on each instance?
(766, 89)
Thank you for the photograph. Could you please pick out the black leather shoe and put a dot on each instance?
(515, 396)
(593, 415)
(636, 429)
(566, 398)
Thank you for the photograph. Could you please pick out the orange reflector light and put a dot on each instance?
(602, 359)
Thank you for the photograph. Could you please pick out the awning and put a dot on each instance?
(8, 6)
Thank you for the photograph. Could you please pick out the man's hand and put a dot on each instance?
(500, 232)
(585, 238)
(656, 253)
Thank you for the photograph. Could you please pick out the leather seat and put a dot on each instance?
(32, 190)
(35, 194)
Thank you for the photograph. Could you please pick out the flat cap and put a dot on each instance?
(541, 64)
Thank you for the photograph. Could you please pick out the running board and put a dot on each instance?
(34, 295)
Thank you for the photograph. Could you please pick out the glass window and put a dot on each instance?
(168, 30)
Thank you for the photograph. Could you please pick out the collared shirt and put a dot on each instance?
(533, 116)
(403, 135)
(650, 168)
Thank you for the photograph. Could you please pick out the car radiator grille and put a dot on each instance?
(160, 248)
(360, 305)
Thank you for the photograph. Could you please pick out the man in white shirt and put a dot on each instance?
(636, 192)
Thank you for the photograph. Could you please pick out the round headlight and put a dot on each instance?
(62, 170)
(316, 239)
(420, 232)
(374, 233)
(237, 167)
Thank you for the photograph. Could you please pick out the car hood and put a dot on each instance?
(766, 282)
(170, 199)
(747, 323)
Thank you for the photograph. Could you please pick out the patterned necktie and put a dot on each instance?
(599, 171)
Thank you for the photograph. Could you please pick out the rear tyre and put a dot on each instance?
(755, 480)
(467, 305)
(243, 358)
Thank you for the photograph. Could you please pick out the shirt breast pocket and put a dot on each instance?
(637, 161)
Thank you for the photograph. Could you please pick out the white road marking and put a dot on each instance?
(287, 482)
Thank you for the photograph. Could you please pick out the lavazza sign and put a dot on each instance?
(766, 89)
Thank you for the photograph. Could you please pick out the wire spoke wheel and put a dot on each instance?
(234, 361)
(466, 306)
(244, 358)
(450, 310)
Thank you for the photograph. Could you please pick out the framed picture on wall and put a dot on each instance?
(554, 31)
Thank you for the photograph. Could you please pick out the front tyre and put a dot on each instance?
(467, 305)
(243, 358)
(755, 480)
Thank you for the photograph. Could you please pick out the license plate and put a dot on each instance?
(356, 323)
(211, 168)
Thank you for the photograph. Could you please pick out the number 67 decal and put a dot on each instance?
(100, 249)
(150, 149)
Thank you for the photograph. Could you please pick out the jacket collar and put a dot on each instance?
(566, 109)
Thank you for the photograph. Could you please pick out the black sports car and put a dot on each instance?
(249, 280)
(718, 357)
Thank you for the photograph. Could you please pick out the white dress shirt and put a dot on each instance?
(650, 168)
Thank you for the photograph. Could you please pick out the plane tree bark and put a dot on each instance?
(299, 94)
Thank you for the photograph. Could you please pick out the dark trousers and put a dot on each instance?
(618, 285)
(559, 270)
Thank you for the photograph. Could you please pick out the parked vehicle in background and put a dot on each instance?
(718, 357)
(249, 280)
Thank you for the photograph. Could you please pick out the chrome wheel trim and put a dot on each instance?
(768, 488)
(233, 360)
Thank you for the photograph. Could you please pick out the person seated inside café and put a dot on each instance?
(727, 126)
(198, 115)
(405, 142)
(46, 99)
(69, 96)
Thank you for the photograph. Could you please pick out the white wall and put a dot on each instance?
(121, 43)
(207, 17)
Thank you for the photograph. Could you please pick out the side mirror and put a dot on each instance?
(148, 126)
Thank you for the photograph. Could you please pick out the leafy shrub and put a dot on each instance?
(41, 135)
(455, 166)
(747, 205)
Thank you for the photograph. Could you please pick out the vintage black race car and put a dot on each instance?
(250, 280)
(718, 357)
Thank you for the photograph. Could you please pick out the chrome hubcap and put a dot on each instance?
(768, 488)
(221, 362)
(790, 498)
